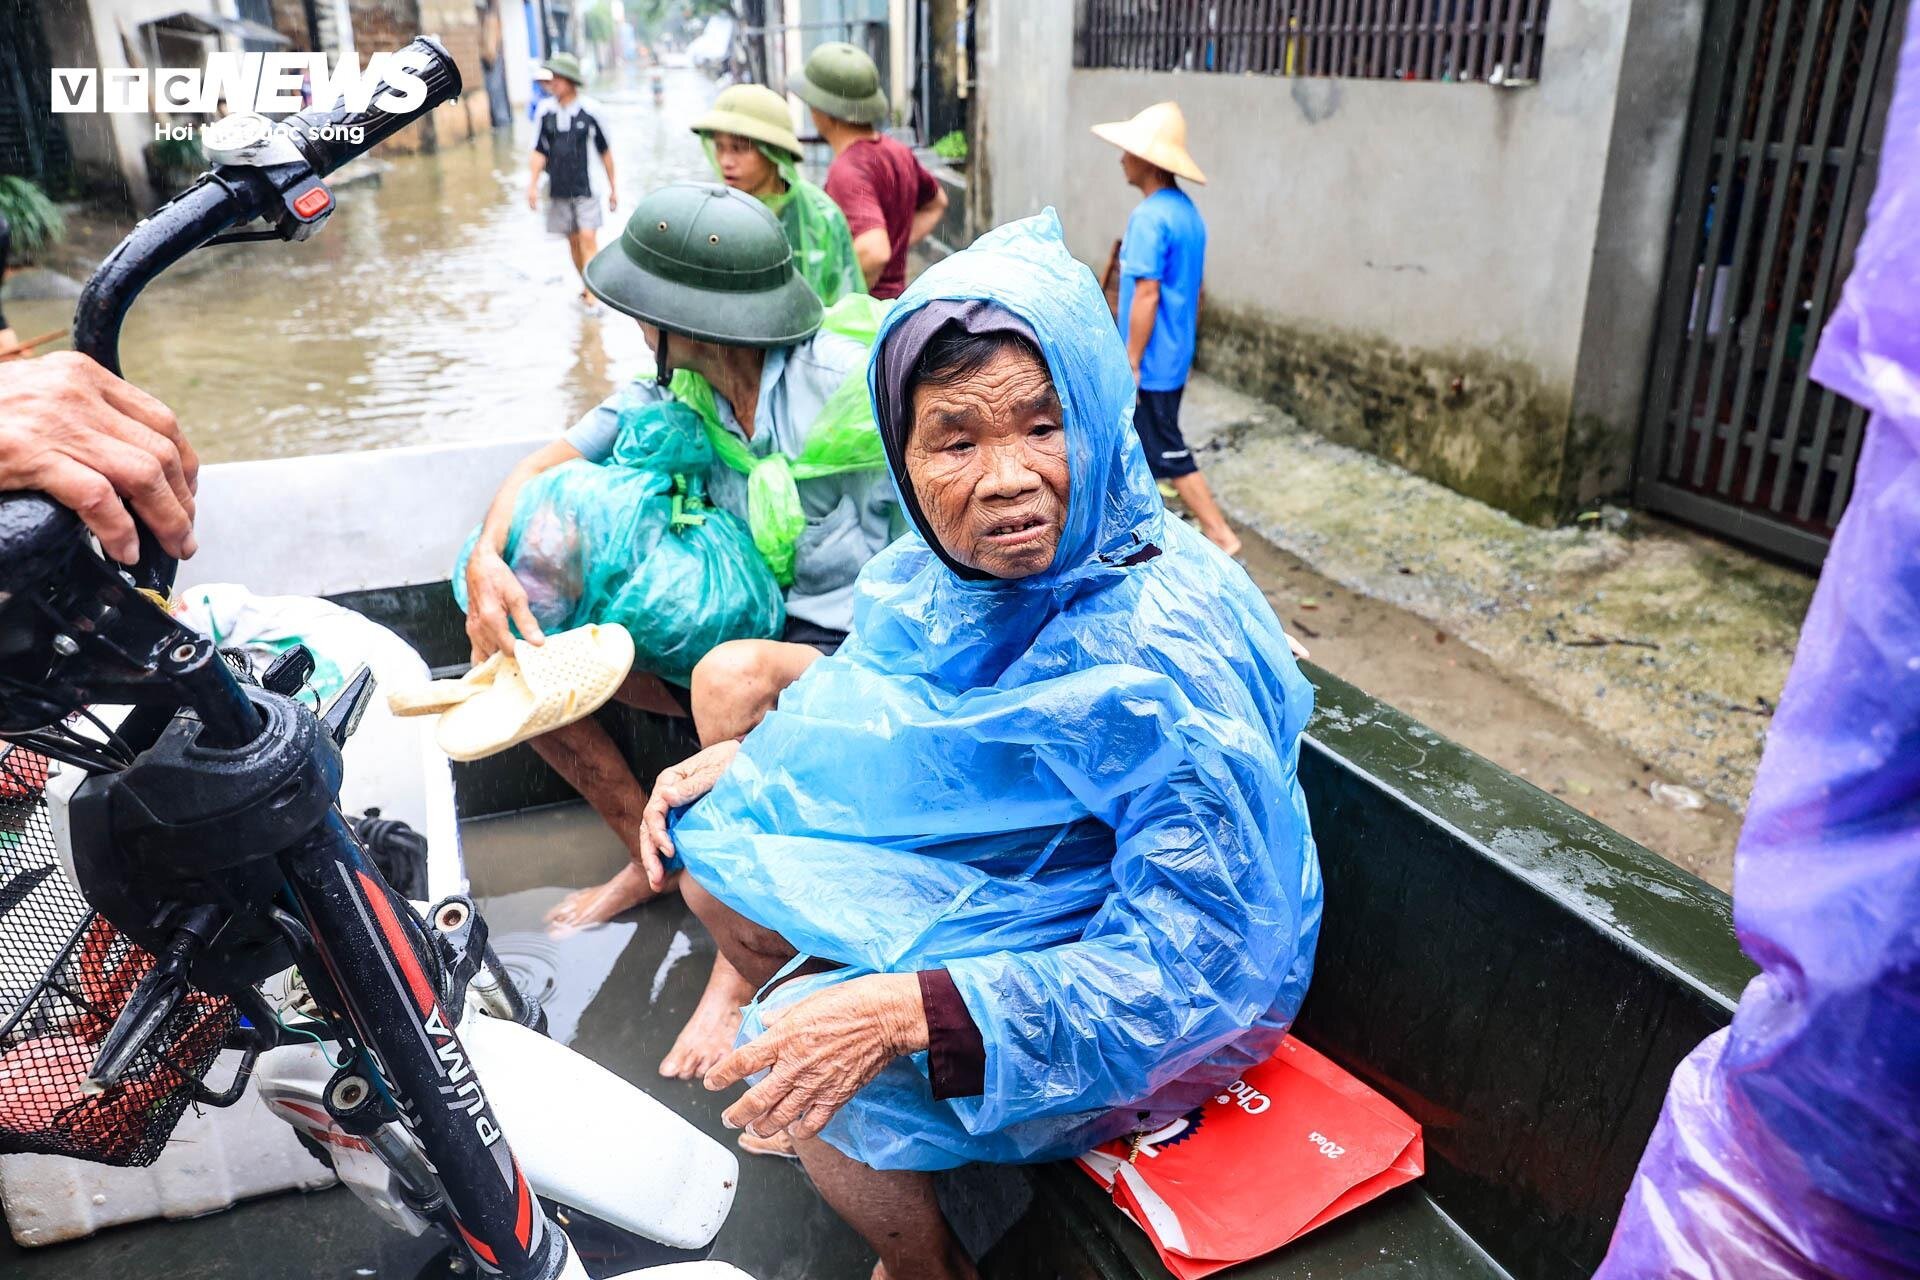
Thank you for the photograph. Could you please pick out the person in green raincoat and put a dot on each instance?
(751, 144)
(779, 384)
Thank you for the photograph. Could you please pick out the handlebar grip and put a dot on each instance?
(323, 133)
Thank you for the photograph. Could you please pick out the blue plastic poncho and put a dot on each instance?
(1076, 791)
(1790, 1142)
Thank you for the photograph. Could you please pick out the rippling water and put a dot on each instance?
(433, 307)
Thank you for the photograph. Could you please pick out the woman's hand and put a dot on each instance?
(495, 602)
(822, 1050)
(682, 784)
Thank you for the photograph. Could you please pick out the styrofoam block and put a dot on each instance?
(216, 1158)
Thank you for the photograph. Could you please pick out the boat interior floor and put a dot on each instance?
(620, 993)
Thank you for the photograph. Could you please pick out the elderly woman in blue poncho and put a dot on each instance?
(1026, 865)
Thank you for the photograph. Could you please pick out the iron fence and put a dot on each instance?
(1779, 167)
(1488, 41)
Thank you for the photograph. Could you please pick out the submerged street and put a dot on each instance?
(433, 308)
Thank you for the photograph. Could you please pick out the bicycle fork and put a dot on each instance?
(375, 964)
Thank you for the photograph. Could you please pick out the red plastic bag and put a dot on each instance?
(1294, 1143)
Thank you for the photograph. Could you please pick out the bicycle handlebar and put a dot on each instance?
(323, 139)
(279, 175)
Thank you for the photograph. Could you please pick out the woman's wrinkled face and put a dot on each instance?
(987, 458)
(743, 166)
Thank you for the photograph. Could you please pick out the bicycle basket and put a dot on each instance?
(65, 975)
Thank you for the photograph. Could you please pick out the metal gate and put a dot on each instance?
(1780, 159)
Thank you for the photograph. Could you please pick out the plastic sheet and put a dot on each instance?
(633, 541)
(1077, 792)
(841, 439)
(1790, 1143)
(816, 229)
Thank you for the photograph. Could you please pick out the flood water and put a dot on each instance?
(433, 307)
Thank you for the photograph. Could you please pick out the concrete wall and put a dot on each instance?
(1421, 269)
(110, 149)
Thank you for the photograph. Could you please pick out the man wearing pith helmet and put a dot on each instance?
(1162, 259)
(751, 144)
(709, 276)
(890, 199)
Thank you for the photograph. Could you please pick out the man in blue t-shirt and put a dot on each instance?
(1162, 260)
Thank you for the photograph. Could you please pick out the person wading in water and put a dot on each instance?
(563, 129)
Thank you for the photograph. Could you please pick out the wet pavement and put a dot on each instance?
(434, 307)
(1625, 664)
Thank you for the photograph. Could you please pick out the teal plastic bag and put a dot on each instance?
(634, 541)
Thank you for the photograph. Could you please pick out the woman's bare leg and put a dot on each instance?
(734, 687)
(895, 1212)
(711, 1031)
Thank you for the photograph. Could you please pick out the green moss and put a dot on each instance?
(1482, 426)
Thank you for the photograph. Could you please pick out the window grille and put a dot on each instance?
(1489, 41)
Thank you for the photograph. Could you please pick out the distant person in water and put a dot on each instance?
(891, 202)
(565, 126)
(1162, 260)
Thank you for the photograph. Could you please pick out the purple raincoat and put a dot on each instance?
(1790, 1142)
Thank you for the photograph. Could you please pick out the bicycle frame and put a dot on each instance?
(272, 767)
(371, 959)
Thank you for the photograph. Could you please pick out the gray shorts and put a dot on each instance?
(564, 217)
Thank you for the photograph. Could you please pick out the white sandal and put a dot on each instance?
(444, 695)
(535, 690)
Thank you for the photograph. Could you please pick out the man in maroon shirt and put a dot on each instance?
(890, 200)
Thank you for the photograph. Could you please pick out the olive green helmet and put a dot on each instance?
(566, 66)
(841, 81)
(705, 261)
(752, 111)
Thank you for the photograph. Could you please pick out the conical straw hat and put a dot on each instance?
(1157, 135)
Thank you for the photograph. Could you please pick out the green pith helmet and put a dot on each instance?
(705, 261)
(842, 81)
(566, 66)
(752, 111)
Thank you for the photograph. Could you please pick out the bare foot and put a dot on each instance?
(962, 1267)
(601, 903)
(710, 1032)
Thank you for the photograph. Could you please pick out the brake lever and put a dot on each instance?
(342, 715)
(153, 1001)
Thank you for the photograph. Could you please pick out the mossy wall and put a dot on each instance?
(1488, 428)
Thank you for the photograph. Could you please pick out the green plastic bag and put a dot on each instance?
(816, 229)
(844, 438)
(634, 541)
